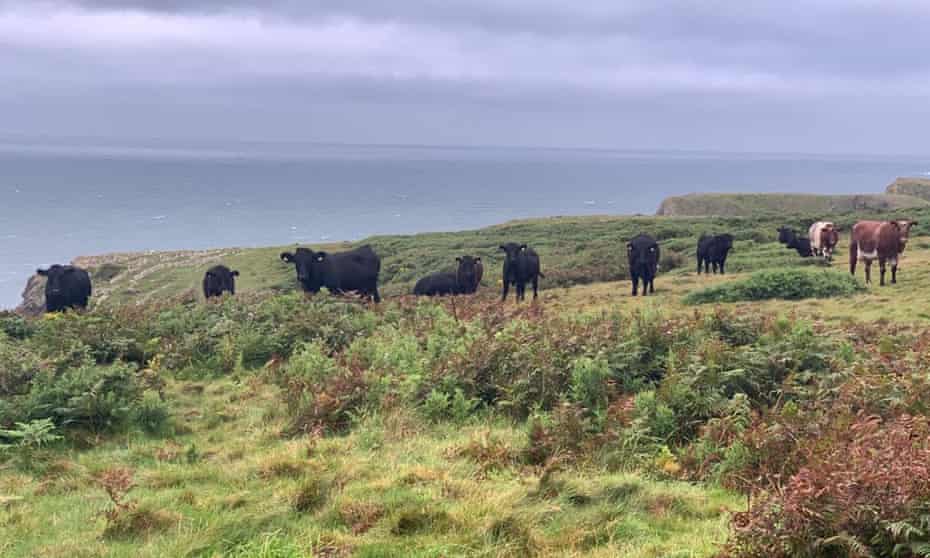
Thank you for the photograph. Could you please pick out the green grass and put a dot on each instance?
(397, 488)
(574, 251)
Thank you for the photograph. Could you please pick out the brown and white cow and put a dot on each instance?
(824, 236)
(878, 240)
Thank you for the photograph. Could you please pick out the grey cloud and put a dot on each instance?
(665, 72)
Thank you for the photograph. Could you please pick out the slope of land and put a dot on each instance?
(781, 204)
(910, 186)
(574, 251)
(589, 423)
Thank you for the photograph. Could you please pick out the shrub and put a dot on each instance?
(98, 398)
(787, 284)
(862, 492)
(439, 405)
(18, 365)
(151, 414)
(589, 384)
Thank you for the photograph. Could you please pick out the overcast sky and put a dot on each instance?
(827, 76)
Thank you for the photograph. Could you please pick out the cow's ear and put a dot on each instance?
(629, 247)
(287, 257)
(523, 247)
(913, 223)
(320, 256)
(235, 273)
(458, 260)
(478, 260)
(502, 248)
(42, 272)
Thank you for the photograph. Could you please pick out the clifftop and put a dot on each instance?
(917, 187)
(773, 204)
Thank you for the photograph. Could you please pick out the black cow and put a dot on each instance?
(66, 287)
(219, 279)
(354, 270)
(464, 280)
(521, 266)
(712, 251)
(801, 244)
(643, 255)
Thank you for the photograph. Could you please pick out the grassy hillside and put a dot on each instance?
(574, 251)
(590, 423)
(781, 204)
(910, 186)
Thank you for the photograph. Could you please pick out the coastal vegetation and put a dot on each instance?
(736, 415)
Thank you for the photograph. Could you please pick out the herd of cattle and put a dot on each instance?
(357, 270)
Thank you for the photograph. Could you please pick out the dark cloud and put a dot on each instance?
(665, 72)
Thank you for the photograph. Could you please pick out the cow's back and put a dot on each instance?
(352, 269)
(865, 235)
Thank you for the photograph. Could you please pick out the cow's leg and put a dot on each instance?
(635, 281)
(894, 270)
(652, 285)
(535, 287)
(881, 271)
(868, 272)
(506, 289)
(521, 290)
(376, 296)
(699, 266)
(721, 266)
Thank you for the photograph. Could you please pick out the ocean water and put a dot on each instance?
(58, 201)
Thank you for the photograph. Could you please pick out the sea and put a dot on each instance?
(63, 198)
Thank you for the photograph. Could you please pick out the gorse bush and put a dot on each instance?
(786, 284)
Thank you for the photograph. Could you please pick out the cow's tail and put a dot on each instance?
(541, 274)
(853, 256)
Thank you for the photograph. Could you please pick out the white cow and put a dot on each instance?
(824, 236)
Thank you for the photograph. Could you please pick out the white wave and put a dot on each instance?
(159, 217)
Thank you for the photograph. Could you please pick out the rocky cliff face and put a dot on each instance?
(918, 187)
(33, 297)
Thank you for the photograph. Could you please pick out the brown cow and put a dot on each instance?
(878, 240)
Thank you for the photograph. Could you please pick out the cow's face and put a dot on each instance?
(309, 267)
(467, 272)
(725, 240)
(904, 231)
(513, 250)
(57, 276)
(641, 253)
(784, 235)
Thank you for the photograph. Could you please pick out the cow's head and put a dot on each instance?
(904, 230)
(785, 235)
(725, 240)
(309, 265)
(512, 249)
(57, 276)
(642, 252)
(467, 272)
